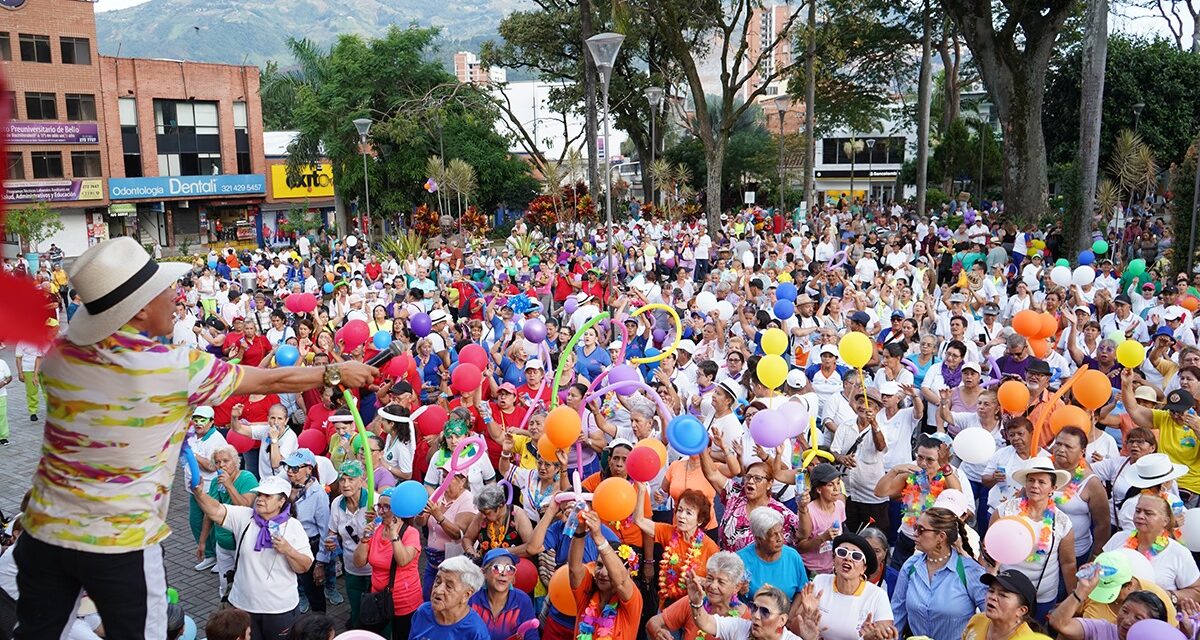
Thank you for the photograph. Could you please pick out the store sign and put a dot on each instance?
(122, 209)
(54, 190)
(186, 187)
(313, 182)
(24, 132)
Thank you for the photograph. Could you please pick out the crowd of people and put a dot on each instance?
(884, 535)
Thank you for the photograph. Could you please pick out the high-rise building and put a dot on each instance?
(469, 69)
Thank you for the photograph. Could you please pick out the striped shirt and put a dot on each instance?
(117, 413)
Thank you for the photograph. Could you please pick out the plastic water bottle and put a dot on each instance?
(835, 529)
(1094, 569)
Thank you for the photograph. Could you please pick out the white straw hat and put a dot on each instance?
(116, 279)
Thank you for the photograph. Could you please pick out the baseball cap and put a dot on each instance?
(686, 345)
(203, 412)
(1082, 307)
(273, 485)
(958, 297)
(618, 442)
(351, 469)
(1013, 581)
(973, 366)
(991, 309)
(953, 500)
(1174, 312)
(824, 473)
(615, 345)
(507, 387)
(830, 349)
(860, 317)
(299, 458)
(1146, 393)
(796, 379)
(897, 314)
(1179, 401)
(534, 364)
(1115, 572)
(499, 554)
(1122, 299)
(889, 388)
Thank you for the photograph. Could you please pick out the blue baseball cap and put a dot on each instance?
(498, 554)
(299, 458)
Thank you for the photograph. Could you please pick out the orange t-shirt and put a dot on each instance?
(680, 479)
(678, 617)
(627, 530)
(677, 548)
(629, 613)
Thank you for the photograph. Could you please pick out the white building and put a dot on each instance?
(553, 132)
(872, 168)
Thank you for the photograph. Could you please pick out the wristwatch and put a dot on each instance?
(333, 375)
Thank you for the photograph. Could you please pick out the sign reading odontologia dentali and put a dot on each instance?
(186, 186)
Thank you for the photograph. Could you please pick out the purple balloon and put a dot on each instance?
(379, 286)
(769, 428)
(624, 373)
(420, 324)
(534, 330)
(570, 305)
(1151, 629)
(659, 335)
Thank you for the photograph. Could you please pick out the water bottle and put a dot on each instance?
(220, 487)
(1094, 569)
(273, 527)
(835, 529)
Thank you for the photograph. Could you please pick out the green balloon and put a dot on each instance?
(1063, 262)
(534, 261)
(1099, 247)
(1136, 267)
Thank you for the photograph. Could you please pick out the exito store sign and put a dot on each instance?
(313, 182)
(186, 187)
(54, 190)
(20, 132)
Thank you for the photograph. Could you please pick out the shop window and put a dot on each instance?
(86, 164)
(5, 46)
(40, 106)
(188, 137)
(241, 137)
(47, 164)
(76, 50)
(81, 106)
(15, 166)
(34, 48)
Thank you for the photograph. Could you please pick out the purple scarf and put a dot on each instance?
(951, 377)
(264, 529)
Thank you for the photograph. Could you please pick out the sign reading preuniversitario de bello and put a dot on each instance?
(22, 132)
(186, 187)
(313, 182)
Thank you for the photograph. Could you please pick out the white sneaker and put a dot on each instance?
(214, 568)
(206, 563)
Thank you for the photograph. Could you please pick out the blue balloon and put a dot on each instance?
(687, 435)
(328, 287)
(189, 629)
(244, 269)
(409, 499)
(189, 459)
(784, 309)
(212, 264)
(787, 291)
(381, 340)
(287, 355)
(1087, 257)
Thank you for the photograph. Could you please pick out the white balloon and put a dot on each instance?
(725, 310)
(1083, 275)
(1060, 276)
(351, 241)
(974, 445)
(1139, 565)
(1191, 529)
(706, 301)
(748, 259)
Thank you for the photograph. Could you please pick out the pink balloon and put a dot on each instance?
(300, 303)
(353, 335)
(1008, 541)
(474, 354)
(359, 634)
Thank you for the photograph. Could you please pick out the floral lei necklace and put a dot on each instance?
(734, 611)
(672, 567)
(1072, 487)
(597, 622)
(1047, 531)
(1156, 547)
(915, 499)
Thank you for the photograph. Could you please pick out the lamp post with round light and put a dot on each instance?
(782, 102)
(364, 126)
(654, 96)
(604, 48)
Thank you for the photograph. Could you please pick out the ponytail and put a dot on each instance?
(962, 536)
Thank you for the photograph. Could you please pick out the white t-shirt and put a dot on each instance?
(739, 628)
(842, 615)
(265, 583)
(1045, 581)
(1174, 567)
(898, 431)
(398, 454)
(5, 372)
(288, 443)
(861, 480)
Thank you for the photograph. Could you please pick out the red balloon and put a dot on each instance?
(431, 420)
(240, 442)
(466, 377)
(292, 303)
(308, 303)
(314, 440)
(473, 354)
(643, 464)
(353, 335)
(527, 575)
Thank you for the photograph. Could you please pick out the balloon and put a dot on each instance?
(1131, 354)
(189, 460)
(1083, 276)
(725, 310)
(546, 449)
(772, 371)
(189, 629)
(474, 354)
(351, 241)
(706, 302)
(420, 324)
(358, 634)
(643, 464)
(1191, 303)
(314, 440)
(784, 309)
(856, 349)
(657, 445)
(659, 334)
(1191, 529)
(1100, 247)
(614, 499)
(687, 435)
(1063, 262)
(561, 594)
(1139, 564)
(381, 340)
(1153, 629)
(1014, 397)
(212, 264)
(527, 575)
(974, 445)
(327, 287)
(1086, 257)
(624, 373)
(1009, 540)
(787, 291)
(430, 419)
(1049, 325)
(466, 377)
(240, 442)
(570, 305)
(796, 415)
(1070, 416)
(290, 303)
(409, 499)
(1136, 267)
(244, 269)
(286, 355)
(769, 427)
(1039, 347)
(1093, 389)
(563, 426)
(774, 341)
(534, 330)
(1061, 275)
(748, 259)
(1027, 323)
(353, 335)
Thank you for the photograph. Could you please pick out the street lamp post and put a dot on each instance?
(654, 96)
(870, 169)
(604, 48)
(364, 126)
(1137, 114)
(782, 102)
(985, 113)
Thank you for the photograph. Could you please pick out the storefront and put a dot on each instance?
(308, 194)
(193, 210)
(69, 198)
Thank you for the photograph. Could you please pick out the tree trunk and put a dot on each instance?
(1195, 29)
(1026, 186)
(589, 101)
(714, 161)
(923, 106)
(810, 111)
(951, 56)
(1095, 53)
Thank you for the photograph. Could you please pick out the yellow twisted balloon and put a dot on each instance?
(814, 450)
(674, 344)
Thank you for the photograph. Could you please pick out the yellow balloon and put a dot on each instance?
(774, 342)
(856, 349)
(772, 371)
(1131, 354)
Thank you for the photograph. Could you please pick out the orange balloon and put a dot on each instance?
(657, 445)
(1027, 323)
(1039, 347)
(614, 499)
(1092, 390)
(563, 426)
(561, 595)
(1070, 416)
(1013, 396)
(1190, 303)
(546, 449)
(1049, 325)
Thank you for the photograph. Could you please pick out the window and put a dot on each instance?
(47, 164)
(34, 48)
(5, 46)
(75, 50)
(81, 106)
(885, 151)
(131, 143)
(188, 138)
(15, 169)
(11, 96)
(40, 106)
(128, 110)
(85, 164)
(241, 137)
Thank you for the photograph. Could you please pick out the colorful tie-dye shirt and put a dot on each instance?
(117, 413)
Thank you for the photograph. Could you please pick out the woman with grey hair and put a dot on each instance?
(497, 525)
(768, 616)
(231, 485)
(769, 561)
(448, 614)
(885, 575)
(726, 579)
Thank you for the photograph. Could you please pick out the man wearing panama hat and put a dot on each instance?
(118, 403)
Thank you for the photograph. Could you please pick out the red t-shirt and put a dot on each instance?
(373, 270)
(253, 412)
(406, 590)
(318, 418)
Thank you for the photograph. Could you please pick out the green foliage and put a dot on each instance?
(751, 152)
(957, 155)
(33, 224)
(1182, 186)
(403, 246)
(301, 221)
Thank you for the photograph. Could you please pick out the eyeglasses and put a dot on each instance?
(502, 569)
(759, 611)
(920, 529)
(292, 469)
(756, 478)
(382, 506)
(853, 554)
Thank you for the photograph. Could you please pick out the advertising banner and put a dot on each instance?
(23, 132)
(313, 182)
(159, 188)
(54, 190)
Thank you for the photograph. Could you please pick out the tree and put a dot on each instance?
(924, 104)
(1011, 42)
(33, 225)
(1095, 53)
(751, 152)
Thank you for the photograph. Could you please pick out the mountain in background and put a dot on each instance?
(255, 31)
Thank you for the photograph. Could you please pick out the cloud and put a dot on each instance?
(110, 5)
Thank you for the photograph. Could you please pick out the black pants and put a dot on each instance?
(904, 549)
(129, 589)
(8, 615)
(313, 591)
(860, 514)
(401, 626)
(270, 626)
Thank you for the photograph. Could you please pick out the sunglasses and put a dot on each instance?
(853, 554)
(759, 611)
(292, 469)
(502, 569)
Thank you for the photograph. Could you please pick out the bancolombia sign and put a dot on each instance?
(313, 182)
(186, 187)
